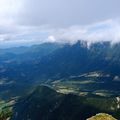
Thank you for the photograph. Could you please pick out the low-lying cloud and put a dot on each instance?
(108, 30)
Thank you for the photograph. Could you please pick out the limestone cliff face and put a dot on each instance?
(102, 116)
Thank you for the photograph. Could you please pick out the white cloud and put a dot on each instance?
(108, 30)
(36, 21)
(9, 9)
(51, 38)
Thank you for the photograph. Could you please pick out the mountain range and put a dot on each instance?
(53, 81)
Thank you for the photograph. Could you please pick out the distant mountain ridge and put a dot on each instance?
(55, 61)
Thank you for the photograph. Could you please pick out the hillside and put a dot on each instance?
(46, 104)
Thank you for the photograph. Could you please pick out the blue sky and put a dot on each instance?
(36, 21)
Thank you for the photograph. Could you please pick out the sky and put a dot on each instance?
(26, 22)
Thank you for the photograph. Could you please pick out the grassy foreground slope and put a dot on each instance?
(5, 110)
(102, 116)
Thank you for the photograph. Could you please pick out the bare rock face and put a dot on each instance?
(102, 116)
